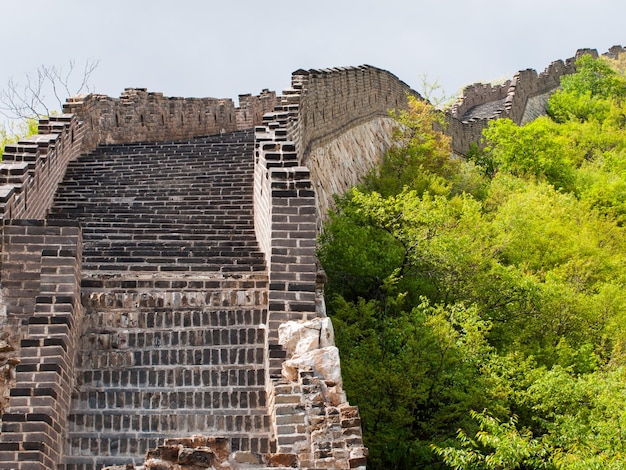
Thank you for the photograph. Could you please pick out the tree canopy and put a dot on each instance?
(479, 304)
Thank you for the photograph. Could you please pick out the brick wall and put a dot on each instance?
(319, 108)
(31, 169)
(142, 116)
(319, 122)
(322, 435)
(41, 284)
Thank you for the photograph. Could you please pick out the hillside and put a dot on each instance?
(479, 303)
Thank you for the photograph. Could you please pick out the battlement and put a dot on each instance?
(142, 116)
(521, 99)
(328, 114)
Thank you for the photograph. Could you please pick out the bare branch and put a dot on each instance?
(19, 102)
(44, 90)
(37, 95)
(90, 67)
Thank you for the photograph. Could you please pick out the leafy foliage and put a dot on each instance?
(25, 128)
(401, 367)
(496, 446)
(495, 284)
(591, 93)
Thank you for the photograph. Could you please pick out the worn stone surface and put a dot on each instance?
(9, 359)
(535, 107)
(299, 337)
(340, 163)
(324, 362)
(201, 452)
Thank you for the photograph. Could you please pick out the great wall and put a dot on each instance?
(162, 301)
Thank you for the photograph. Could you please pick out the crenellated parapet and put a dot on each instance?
(479, 94)
(335, 100)
(521, 99)
(252, 108)
(338, 122)
(142, 116)
(32, 168)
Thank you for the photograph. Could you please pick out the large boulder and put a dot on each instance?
(299, 337)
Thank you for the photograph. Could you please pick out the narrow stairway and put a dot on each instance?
(174, 291)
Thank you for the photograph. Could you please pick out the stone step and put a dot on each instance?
(142, 239)
(167, 319)
(124, 213)
(209, 252)
(154, 185)
(143, 164)
(139, 159)
(162, 339)
(175, 299)
(146, 240)
(171, 246)
(187, 170)
(112, 212)
(149, 230)
(173, 403)
(176, 191)
(162, 190)
(214, 251)
(223, 356)
(144, 268)
(240, 291)
(122, 238)
(124, 448)
(165, 262)
(146, 378)
(206, 184)
(209, 207)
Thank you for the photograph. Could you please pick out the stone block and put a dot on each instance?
(282, 460)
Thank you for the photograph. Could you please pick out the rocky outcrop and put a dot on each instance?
(313, 419)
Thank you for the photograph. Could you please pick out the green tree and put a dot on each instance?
(496, 446)
(526, 257)
(420, 158)
(578, 424)
(590, 93)
(534, 150)
(413, 374)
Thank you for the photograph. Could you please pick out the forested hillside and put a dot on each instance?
(479, 303)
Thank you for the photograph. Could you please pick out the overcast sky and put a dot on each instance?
(225, 48)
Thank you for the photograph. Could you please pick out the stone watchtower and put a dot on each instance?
(159, 277)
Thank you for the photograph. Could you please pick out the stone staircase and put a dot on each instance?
(174, 289)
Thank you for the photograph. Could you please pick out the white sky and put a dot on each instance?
(229, 47)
